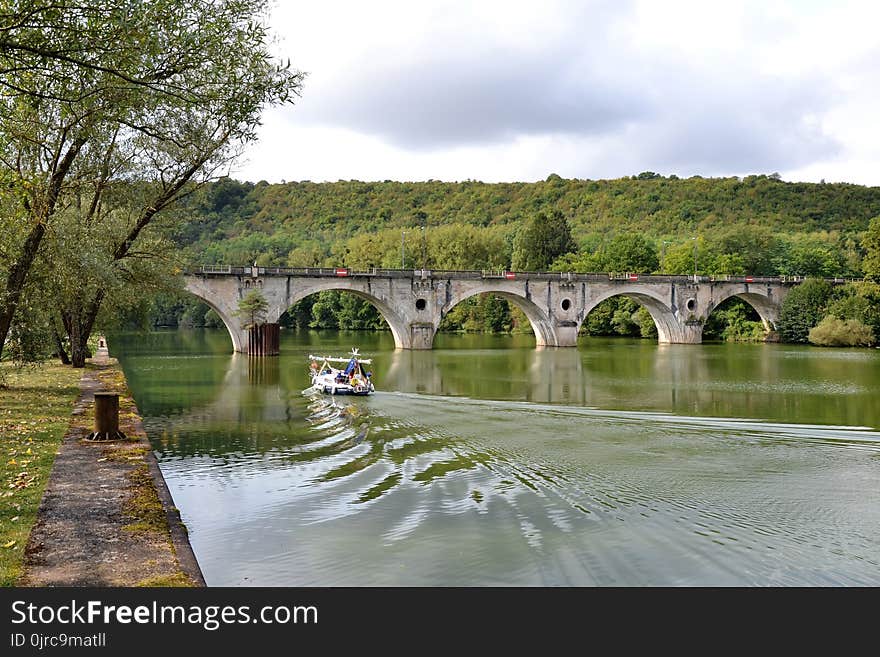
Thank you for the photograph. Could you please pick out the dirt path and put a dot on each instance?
(106, 517)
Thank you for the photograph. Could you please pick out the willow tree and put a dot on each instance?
(155, 96)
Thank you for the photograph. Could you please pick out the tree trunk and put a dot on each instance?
(62, 352)
(77, 342)
(78, 354)
(79, 321)
(20, 268)
(16, 279)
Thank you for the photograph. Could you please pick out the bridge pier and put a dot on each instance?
(566, 335)
(421, 335)
(264, 340)
(686, 333)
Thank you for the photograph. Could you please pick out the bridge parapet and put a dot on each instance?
(348, 272)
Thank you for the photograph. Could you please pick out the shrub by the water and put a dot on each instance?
(834, 332)
(858, 300)
(802, 309)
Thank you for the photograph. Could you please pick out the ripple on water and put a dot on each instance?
(519, 493)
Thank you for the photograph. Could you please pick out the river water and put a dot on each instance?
(489, 462)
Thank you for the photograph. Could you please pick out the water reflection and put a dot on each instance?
(263, 371)
(623, 462)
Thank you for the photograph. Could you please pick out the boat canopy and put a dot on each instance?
(333, 359)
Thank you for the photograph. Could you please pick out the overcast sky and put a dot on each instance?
(514, 91)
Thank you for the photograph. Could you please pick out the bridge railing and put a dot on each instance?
(590, 277)
(216, 269)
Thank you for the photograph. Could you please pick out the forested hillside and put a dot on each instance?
(304, 223)
(758, 225)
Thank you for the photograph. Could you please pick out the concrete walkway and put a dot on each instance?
(106, 517)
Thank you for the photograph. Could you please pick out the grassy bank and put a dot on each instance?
(35, 406)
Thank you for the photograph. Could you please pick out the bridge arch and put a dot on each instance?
(767, 308)
(226, 313)
(396, 323)
(232, 324)
(669, 329)
(545, 334)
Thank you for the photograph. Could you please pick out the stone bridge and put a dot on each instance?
(413, 302)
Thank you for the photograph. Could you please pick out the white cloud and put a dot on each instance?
(513, 91)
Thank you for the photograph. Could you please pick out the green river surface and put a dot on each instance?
(489, 462)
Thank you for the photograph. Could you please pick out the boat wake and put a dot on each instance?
(579, 495)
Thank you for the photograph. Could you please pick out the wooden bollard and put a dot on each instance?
(106, 417)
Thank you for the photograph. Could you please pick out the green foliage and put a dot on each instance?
(744, 249)
(647, 327)
(871, 245)
(757, 226)
(727, 250)
(211, 319)
(805, 256)
(734, 320)
(621, 253)
(834, 332)
(630, 252)
(107, 117)
(325, 311)
(29, 340)
(745, 226)
(299, 315)
(620, 316)
(460, 246)
(599, 321)
(309, 254)
(666, 208)
(252, 309)
(484, 312)
(623, 321)
(453, 246)
(357, 314)
(163, 310)
(89, 286)
(682, 258)
(541, 240)
(859, 301)
(335, 310)
(802, 309)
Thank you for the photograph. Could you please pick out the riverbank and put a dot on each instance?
(35, 406)
(106, 517)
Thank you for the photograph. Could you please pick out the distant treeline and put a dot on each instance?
(756, 225)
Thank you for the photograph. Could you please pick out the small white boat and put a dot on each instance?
(352, 379)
